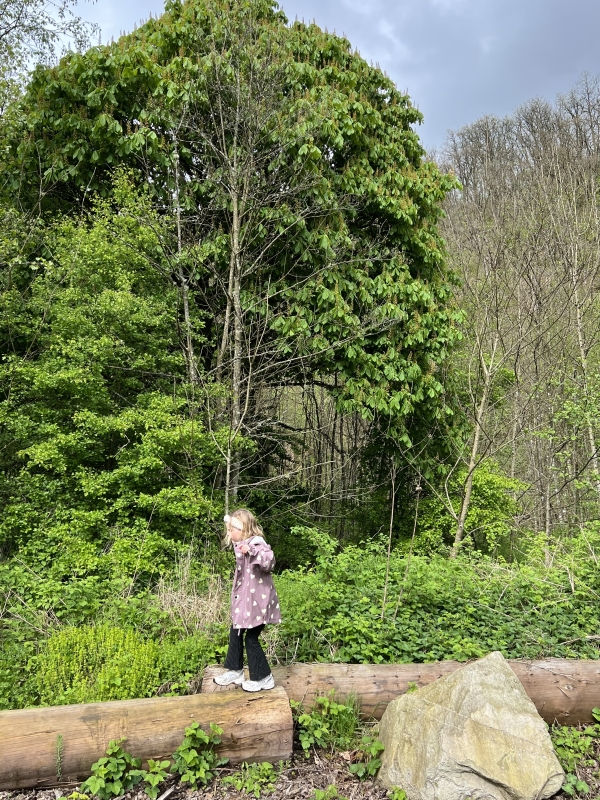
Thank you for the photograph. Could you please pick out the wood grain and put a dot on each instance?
(257, 727)
(562, 690)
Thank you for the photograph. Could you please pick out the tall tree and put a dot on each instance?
(304, 213)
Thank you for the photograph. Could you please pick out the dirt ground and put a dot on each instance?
(297, 781)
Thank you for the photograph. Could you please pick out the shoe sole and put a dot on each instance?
(262, 689)
(236, 682)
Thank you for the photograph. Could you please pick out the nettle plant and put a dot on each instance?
(117, 772)
(195, 758)
(366, 758)
(574, 748)
(114, 774)
(328, 724)
(254, 779)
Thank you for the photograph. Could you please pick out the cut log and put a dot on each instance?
(255, 728)
(563, 690)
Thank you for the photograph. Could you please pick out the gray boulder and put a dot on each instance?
(472, 735)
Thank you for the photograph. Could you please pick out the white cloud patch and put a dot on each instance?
(450, 6)
(366, 8)
(388, 31)
(488, 44)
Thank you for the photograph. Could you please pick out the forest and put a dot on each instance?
(231, 276)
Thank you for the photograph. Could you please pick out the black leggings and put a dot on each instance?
(258, 666)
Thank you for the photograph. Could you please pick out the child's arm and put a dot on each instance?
(262, 556)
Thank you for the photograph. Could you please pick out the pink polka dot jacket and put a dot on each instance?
(254, 598)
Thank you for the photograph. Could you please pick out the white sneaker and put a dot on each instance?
(256, 686)
(231, 676)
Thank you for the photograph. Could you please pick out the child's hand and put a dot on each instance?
(244, 549)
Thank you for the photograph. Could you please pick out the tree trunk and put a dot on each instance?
(190, 356)
(561, 689)
(584, 372)
(255, 728)
(236, 387)
(488, 372)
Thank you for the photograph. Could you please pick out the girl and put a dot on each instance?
(254, 603)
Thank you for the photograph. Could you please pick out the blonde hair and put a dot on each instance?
(250, 525)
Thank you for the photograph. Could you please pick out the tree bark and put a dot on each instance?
(190, 356)
(564, 690)
(488, 372)
(255, 728)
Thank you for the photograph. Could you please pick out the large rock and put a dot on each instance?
(472, 735)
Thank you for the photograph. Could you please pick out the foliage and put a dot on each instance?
(155, 774)
(574, 785)
(328, 724)
(96, 663)
(490, 519)
(574, 746)
(397, 794)
(254, 779)
(118, 771)
(368, 260)
(448, 609)
(330, 793)
(195, 759)
(32, 29)
(366, 760)
(113, 774)
(87, 429)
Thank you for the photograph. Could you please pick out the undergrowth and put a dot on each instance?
(195, 762)
(82, 640)
(577, 749)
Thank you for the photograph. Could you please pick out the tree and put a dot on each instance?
(100, 451)
(304, 213)
(527, 223)
(31, 29)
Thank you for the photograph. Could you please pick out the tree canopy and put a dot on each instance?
(303, 213)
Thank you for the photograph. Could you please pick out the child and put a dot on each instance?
(254, 603)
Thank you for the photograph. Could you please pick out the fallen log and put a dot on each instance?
(563, 690)
(256, 727)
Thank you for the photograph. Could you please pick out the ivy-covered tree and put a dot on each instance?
(303, 211)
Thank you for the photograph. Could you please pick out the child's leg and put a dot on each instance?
(258, 666)
(235, 651)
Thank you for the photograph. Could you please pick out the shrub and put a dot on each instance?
(96, 663)
(195, 758)
(328, 724)
(439, 609)
(114, 774)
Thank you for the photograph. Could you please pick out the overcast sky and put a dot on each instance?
(458, 59)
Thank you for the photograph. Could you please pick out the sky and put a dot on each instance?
(458, 59)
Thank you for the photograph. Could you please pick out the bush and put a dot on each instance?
(114, 774)
(96, 663)
(328, 723)
(184, 660)
(439, 609)
(195, 759)
(89, 664)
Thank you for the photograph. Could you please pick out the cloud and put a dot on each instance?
(365, 8)
(458, 59)
(388, 31)
(450, 5)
